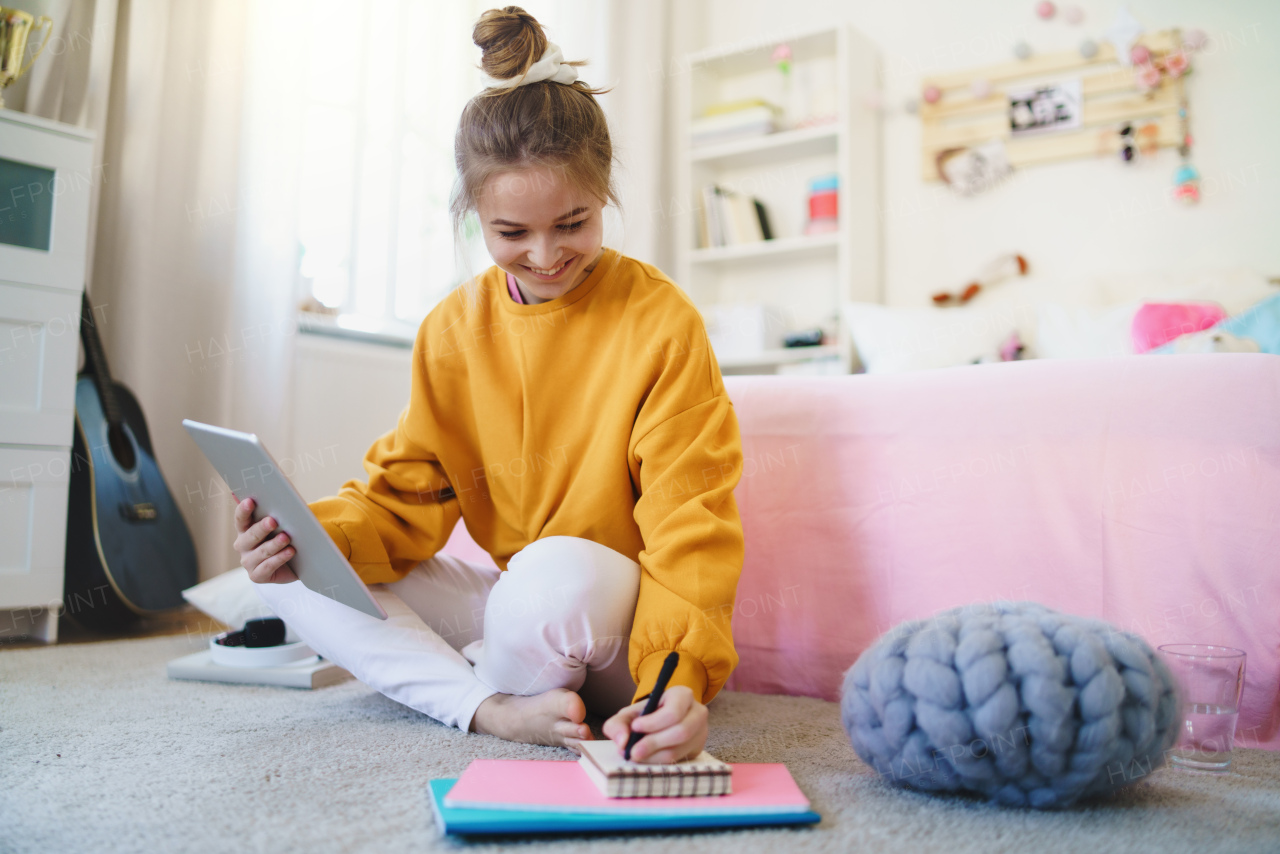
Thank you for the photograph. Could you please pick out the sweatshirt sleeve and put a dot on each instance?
(689, 462)
(407, 509)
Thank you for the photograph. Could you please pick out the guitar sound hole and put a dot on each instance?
(121, 447)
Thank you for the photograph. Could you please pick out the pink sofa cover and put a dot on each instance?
(1142, 490)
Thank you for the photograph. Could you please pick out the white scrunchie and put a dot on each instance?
(550, 67)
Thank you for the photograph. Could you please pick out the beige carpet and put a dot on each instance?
(99, 752)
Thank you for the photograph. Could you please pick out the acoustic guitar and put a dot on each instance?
(129, 553)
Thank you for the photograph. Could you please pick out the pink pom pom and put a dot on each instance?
(1140, 54)
(932, 94)
(1045, 9)
(1194, 39)
(1073, 14)
(1147, 77)
(1176, 64)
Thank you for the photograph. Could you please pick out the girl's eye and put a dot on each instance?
(517, 234)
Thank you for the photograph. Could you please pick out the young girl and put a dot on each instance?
(567, 405)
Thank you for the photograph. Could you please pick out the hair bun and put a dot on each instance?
(512, 40)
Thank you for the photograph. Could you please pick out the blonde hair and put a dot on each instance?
(543, 124)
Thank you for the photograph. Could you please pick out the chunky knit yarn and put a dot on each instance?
(1014, 701)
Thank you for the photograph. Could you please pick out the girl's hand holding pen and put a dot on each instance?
(676, 731)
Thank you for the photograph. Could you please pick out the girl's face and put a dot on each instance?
(541, 229)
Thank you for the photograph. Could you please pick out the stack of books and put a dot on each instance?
(727, 218)
(495, 796)
(735, 120)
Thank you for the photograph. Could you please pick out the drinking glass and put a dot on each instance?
(1210, 679)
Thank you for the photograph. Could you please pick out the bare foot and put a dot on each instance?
(555, 717)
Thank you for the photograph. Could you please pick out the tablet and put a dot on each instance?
(250, 472)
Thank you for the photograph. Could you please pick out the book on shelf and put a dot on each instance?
(709, 217)
(704, 775)
(765, 230)
(728, 218)
(727, 122)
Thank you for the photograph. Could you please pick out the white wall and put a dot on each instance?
(1073, 219)
(331, 434)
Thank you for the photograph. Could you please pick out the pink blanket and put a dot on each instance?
(1144, 491)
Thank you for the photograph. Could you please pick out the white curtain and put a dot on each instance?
(194, 255)
(165, 264)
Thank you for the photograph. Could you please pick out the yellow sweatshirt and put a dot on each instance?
(600, 414)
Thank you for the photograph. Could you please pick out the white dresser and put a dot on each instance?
(46, 185)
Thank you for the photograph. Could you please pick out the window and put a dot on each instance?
(386, 81)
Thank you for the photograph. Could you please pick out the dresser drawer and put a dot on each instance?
(33, 525)
(47, 181)
(39, 344)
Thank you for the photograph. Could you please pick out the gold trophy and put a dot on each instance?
(15, 26)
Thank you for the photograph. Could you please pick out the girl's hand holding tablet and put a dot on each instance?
(265, 556)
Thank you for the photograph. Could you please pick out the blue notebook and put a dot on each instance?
(471, 820)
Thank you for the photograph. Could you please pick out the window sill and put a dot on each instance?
(355, 328)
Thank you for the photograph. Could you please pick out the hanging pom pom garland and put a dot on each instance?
(1186, 181)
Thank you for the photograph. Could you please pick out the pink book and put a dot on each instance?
(550, 786)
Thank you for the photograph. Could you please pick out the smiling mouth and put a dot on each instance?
(549, 273)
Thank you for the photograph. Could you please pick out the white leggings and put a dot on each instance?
(458, 632)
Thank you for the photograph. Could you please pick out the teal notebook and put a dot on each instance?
(463, 821)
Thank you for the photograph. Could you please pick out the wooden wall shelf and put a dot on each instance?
(1110, 96)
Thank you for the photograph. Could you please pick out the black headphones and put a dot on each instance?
(268, 631)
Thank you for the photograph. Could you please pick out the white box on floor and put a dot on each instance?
(744, 329)
(309, 673)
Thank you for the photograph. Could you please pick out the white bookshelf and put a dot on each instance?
(795, 247)
(806, 276)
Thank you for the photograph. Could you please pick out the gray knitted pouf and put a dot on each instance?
(1014, 701)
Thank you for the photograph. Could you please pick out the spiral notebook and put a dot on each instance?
(704, 775)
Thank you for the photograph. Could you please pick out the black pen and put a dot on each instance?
(664, 676)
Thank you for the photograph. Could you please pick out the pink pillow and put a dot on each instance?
(1158, 323)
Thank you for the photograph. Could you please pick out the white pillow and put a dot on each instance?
(890, 339)
(1235, 289)
(1081, 332)
(229, 598)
